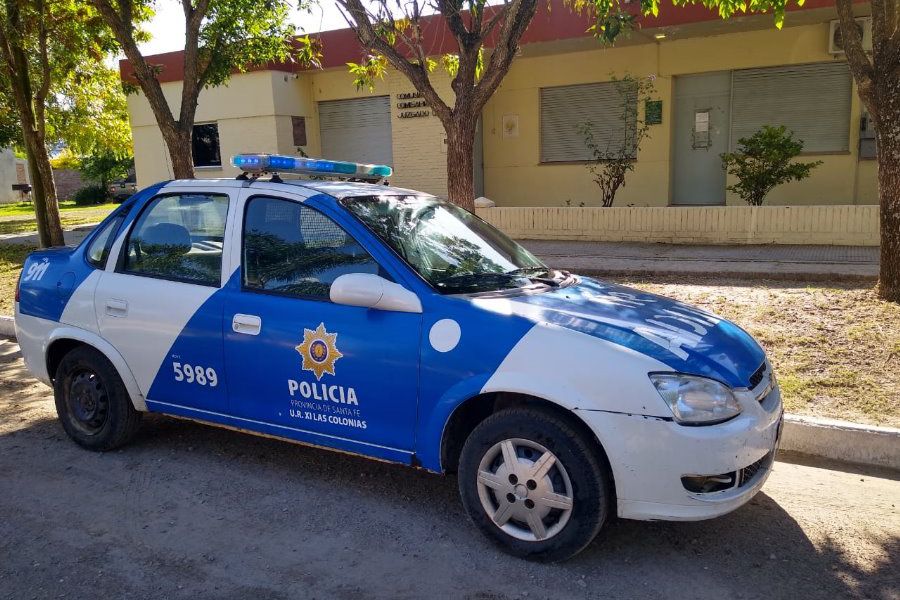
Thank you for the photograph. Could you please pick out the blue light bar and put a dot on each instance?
(277, 163)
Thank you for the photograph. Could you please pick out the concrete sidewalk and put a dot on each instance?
(814, 263)
(765, 261)
(73, 236)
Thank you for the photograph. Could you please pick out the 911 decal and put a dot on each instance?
(36, 271)
(195, 374)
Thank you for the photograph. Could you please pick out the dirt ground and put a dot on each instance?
(191, 511)
(835, 349)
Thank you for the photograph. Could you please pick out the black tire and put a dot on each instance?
(583, 463)
(91, 401)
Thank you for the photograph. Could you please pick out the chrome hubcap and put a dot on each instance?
(525, 489)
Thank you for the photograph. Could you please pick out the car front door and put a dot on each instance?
(331, 374)
(158, 300)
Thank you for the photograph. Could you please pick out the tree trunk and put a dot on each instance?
(38, 198)
(887, 136)
(46, 209)
(460, 161)
(53, 226)
(179, 142)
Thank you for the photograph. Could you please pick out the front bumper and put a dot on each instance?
(649, 456)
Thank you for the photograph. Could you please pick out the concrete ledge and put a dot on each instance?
(842, 440)
(7, 327)
(849, 225)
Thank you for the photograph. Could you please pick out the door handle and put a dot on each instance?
(246, 324)
(116, 308)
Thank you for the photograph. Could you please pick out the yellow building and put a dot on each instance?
(715, 81)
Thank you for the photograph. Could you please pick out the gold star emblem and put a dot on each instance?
(319, 351)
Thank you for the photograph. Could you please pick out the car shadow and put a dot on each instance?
(271, 519)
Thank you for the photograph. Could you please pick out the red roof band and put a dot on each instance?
(553, 21)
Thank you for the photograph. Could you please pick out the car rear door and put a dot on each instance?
(158, 301)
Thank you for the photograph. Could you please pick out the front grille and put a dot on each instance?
(748, 473)
(705, 484)
(757, 376)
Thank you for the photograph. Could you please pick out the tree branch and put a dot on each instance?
(191, 82)
(122, 27)
(859, 63)
(416, 73)
(519, 15)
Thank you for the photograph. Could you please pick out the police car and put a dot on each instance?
(336, 311)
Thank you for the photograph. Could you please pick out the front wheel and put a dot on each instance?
(534, 484)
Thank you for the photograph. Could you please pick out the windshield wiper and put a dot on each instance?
(546, 278)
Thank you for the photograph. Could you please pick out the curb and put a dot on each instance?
(826, 438)
(842, 440)
(7, 327)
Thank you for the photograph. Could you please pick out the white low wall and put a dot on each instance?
(828, 225)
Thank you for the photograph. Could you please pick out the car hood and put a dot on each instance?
(685, 338)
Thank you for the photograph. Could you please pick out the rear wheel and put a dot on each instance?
(534, 484)
(91, 401)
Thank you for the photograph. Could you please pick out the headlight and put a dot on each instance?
(696, 400)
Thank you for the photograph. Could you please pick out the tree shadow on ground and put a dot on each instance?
(209, 511)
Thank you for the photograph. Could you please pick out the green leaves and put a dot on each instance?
(613, 18)
(450, 63)
(84, 107)
(763, 161)
(238, 34)
(365, 74)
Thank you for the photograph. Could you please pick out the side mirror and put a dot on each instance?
(372, 291)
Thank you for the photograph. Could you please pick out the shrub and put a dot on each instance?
(104, 167)
(90, 195)
(763, 161)
(612, 159)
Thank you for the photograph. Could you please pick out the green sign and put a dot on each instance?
(653, 112)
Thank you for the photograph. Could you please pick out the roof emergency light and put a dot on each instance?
(276, 163)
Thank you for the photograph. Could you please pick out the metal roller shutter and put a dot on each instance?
(565, 108)
(357, 130)
(812, 100)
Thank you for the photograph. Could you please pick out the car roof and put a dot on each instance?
(336, 189)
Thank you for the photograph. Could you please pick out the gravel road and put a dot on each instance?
(192, 511)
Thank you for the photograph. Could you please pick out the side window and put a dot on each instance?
(98, 251)
(294, 250)
(205, 145)
(179, 237)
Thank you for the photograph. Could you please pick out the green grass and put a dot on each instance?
(19, 218)
(11, 259)
(836, 349)
(27, 208)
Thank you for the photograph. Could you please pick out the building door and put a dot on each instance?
(357, 130)
(702, 117)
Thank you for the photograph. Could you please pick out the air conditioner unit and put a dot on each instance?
(836, 44)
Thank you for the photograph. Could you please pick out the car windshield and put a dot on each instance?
(449, 247)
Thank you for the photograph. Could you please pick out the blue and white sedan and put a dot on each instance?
(359, 317)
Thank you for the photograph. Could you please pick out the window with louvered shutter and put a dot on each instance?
(357, 130)
(565, 108)
(811, 100)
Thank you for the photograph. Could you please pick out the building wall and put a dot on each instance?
(8, 176)
(419, 149)
(244, 110)
(254, 115)
(514, 175)
(838, 225)
(68, 181)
